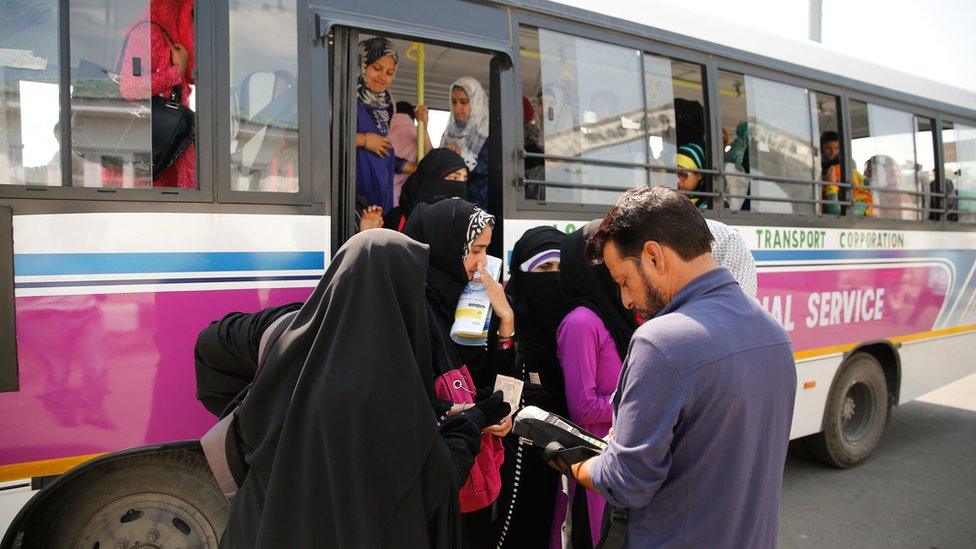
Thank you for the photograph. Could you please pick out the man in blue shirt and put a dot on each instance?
(704, 403)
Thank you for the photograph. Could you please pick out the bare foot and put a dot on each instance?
(372, 218)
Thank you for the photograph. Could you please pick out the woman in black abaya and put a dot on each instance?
(440, 174)
(342, 446)
(529, 484)
(458, 234)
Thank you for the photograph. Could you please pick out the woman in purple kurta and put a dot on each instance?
(376, 160)
(591, 342)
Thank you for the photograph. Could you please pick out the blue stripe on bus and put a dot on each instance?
(810, 255)
(163, 262)
(156, 281)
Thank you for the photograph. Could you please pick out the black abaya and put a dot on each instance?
(340, 437)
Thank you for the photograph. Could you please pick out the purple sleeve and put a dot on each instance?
(631, 470)
(578, 347)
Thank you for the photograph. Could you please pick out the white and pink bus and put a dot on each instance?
(855, 187)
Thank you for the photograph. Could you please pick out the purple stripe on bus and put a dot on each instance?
(109, 371)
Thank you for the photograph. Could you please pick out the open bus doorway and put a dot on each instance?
(425, 75)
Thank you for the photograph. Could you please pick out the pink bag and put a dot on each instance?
(485, 481)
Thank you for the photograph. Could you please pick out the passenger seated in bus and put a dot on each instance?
(737, 161)
(342, 446)
(591, 341)
(882, 172)
(376, 160)
(528, 484)
(403, 135)
(830, 164)
(458, 234)
(166, 49)
(951, 197)
(692, 157)
(467, 135)
(440, 174)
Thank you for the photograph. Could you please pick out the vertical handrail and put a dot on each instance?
(416, 53)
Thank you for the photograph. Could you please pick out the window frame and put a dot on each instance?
(940, 167)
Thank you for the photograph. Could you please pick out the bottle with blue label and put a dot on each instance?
(473, 313)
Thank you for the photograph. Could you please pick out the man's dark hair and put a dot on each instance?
(660, 214)
(403, 107)
(828, 136)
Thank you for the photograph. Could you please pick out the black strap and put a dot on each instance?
(615, 531)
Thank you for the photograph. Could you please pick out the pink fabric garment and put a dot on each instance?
(591, 366)
(148, 41)
(485, 481)
(403, 135)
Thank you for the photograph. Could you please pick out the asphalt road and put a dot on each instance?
(918, 489)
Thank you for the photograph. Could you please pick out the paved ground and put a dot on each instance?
(917, 490)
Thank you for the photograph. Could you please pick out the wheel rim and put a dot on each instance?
(857, 412)
(147, 521)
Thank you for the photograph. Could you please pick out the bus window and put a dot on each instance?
(883, 147)
(123, 54)
(769, 130)
(586, 107)
(264, 96)
(959, 152)
(676, 125)
(29, 102)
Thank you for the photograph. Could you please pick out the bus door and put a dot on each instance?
(426, 70)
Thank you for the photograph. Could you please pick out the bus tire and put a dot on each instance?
(856, 414)
(155, 500)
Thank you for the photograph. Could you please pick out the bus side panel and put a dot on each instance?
(108, 308)
(930, 364)
(813, 380)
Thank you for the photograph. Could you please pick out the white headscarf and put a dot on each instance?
(469, 136)
(730, 251)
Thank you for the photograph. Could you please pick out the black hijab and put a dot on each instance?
(427, 184)
(428, 181)
(593, 287)
(449, 227)
(341, 439)
(538, 309)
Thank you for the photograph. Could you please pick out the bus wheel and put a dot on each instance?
(857, 411)
(153, 501)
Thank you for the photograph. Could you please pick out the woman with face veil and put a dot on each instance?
(341, 442)
(529, 485)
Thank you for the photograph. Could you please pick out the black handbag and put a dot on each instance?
(171, 125)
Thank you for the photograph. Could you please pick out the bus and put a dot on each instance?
(854, 186)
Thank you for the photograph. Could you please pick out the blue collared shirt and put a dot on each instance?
(702, 421)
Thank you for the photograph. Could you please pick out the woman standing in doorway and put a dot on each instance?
(376, 160)
(467, 135)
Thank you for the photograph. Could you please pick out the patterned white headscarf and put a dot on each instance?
(730, 251)
(469, 136)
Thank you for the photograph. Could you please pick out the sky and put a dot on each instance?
(934, 39)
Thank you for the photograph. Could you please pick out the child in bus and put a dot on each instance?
(458, 234)
(441, 174)
(692, 157)
(467, 134)
(376, 160)
(403, 136)
(591, 342)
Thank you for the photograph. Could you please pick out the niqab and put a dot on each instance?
(429, 182)
(341, 438)
(593, 287)
(537, 302)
